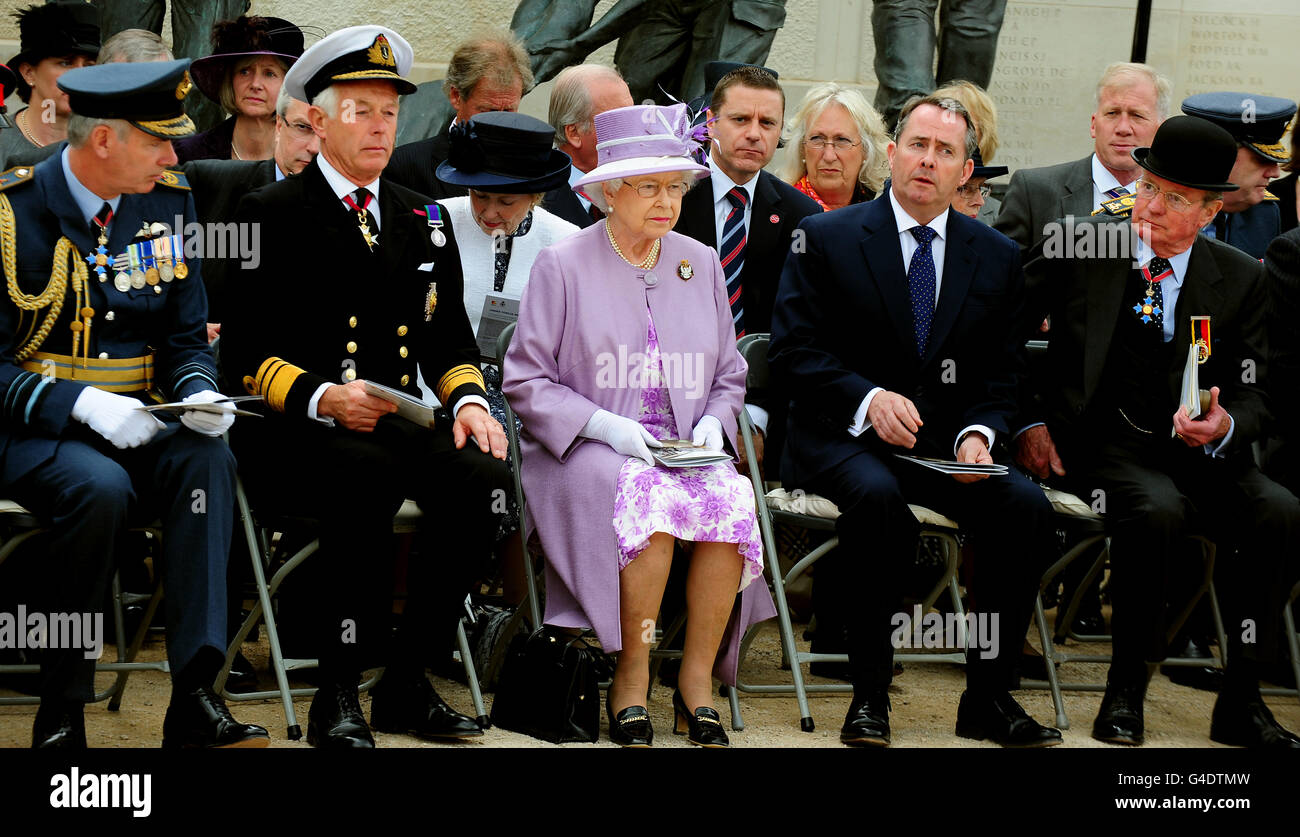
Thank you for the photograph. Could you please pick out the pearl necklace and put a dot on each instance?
(22, 118)
(649, 260)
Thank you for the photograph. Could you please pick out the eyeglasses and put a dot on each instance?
(968, 191)
(817, 142)
(302, 129)
(650, 188)
(1149, 191)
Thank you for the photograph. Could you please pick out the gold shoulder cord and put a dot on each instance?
(64, 253)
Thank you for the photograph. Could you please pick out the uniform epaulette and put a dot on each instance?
(1269, 196)
(174, 179)
(1120, 207)
(14, 176)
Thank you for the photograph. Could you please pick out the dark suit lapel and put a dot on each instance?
(1076, 194)
(1105, 296)
(959, 264)
(697, 215)
(884, 259)
(764, 233)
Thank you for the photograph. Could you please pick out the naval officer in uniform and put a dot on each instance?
(104, 307)
(361, 281)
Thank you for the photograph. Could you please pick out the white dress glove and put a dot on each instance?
(708, 433)
(115, 417)
(622, 434)
(209, 424)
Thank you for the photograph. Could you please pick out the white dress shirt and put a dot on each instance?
(909, 244)
(1102, 182)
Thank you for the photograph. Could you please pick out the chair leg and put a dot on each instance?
(471, 676)
(1049, 660)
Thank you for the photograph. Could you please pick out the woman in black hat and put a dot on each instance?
(54, 38)
(250, 56)
(507, 162)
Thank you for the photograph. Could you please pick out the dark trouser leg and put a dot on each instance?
(652, 55)
(877, 542)
(86, 497)
(461, 516)
(968, 40)
(904, 34)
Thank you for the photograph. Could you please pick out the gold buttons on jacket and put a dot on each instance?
(352, 347)
(406, 379)
(402, 351)
(350, 374)
(352, 322)
(401, 331)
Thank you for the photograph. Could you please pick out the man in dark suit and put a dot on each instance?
(579, 94)
(753, 214)
(1132, 100)
(487, 73)
(220, 184)
(361, 286)
(1110, 396)
(893, 334)
(75, 448)
(1282, 261)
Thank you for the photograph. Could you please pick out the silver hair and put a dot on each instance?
(133, 46)
(80, 128)
(282, 102)
(1123, 73)
(571, 98)
(871, 132)
(327, 100)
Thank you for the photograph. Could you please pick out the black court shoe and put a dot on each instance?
(631, 727)
(702, 727)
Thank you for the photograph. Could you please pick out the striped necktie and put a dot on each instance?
(1116, 192)
(732, 250)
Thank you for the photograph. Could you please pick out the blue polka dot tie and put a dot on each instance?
(921, 284)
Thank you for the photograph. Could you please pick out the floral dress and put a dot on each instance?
(711, 503)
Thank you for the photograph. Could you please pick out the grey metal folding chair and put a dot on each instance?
(21, 527)
(259, 536)
(819, 514)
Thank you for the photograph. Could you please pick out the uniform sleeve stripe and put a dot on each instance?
(275, 378)
(24, 396)
(201, 374)
(34, 400)
(458, 376)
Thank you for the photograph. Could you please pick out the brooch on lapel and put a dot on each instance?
(684, 270)
(430, 301)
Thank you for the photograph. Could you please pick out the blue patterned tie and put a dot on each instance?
(732, 251)
(921, 283)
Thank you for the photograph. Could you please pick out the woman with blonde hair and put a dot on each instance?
(838, 154)
(984, 116)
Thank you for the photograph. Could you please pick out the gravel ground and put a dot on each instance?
(924, 701)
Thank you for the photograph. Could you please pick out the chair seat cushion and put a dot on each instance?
(813, 505)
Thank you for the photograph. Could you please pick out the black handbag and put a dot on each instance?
(549, 687)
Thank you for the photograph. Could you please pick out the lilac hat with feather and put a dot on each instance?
(644, 139)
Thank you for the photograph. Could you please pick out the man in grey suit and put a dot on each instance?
(1132, 101)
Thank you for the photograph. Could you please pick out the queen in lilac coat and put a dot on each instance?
(593, 329)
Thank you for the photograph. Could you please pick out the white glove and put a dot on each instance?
(708, 433)
(115, 417)
(209, 424)
(622, 434)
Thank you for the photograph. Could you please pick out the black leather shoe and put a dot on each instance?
(1002, 720)
(631, 727)
(1205, 678)
(702, 726)
(867, 724)
(335, 721)
(1249, 723)
(59, 726)
(199, 718)
(1119, 721)
(242, 677)
(415, 708)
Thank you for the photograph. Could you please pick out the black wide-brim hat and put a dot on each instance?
(244, 37)
(984, 171)
(508, 153)
(63, 27)
(1191, 152)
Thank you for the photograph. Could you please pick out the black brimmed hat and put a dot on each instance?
(357, 53)
(244, 37)
(504, 152)
(984, 171)
(147, 94)
(1191, 152)
(1257, 122)
(61, 27)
